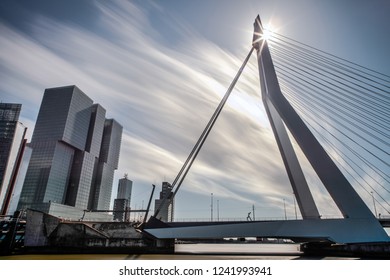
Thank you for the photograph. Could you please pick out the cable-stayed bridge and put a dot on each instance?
(338, 114)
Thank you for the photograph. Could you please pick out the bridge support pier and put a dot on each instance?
(167, 246)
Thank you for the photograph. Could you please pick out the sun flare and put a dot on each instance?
(267, 32)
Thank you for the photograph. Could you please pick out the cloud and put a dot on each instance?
(163, 95)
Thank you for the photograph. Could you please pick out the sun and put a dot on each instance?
(263, 33)
(267, 32)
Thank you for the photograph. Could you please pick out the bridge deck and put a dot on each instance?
(335, 230)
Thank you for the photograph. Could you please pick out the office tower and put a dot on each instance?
(166, 213)
(12, 147)
(122, 202)
(85, 162)
(70, 143)
(108, 162)
(125, 187)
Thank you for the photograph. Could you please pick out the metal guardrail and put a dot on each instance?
(260, 219)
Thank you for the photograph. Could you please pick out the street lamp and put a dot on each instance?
(373, 200)
(218, 210)
(284, 205)
(211, 206)
(295, 207)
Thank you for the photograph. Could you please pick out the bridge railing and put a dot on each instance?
(384, 217)
(232, 219)
(241, 219)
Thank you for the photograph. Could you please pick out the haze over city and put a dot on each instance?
(161, 68)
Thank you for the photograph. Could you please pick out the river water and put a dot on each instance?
(249, 251)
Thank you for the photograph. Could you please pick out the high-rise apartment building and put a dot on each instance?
(12, 147)
(165, 204)
(122, 202)
(75, 153)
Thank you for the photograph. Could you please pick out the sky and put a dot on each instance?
(160, 69)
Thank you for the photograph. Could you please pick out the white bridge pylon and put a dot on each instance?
(358, 223)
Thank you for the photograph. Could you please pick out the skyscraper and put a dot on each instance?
(125, 187)
(75, 153)
(12, 147)
(122, 202)
(166, 213)
(108, 162)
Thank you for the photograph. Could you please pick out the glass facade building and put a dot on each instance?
(67, 146)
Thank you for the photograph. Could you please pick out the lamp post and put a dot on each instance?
(373, 200)
(211, 206)
(284, 205)
(218, 210)
(295, 207)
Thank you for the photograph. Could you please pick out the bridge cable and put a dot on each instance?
(319, 109)
(346, 170)
(351, 121)
(381, 102)
(290, 92)
(358, 135)
(324, 101)
(341, 78)
(338, 95)
(338, 81)
(346, 156)
(367, 71)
